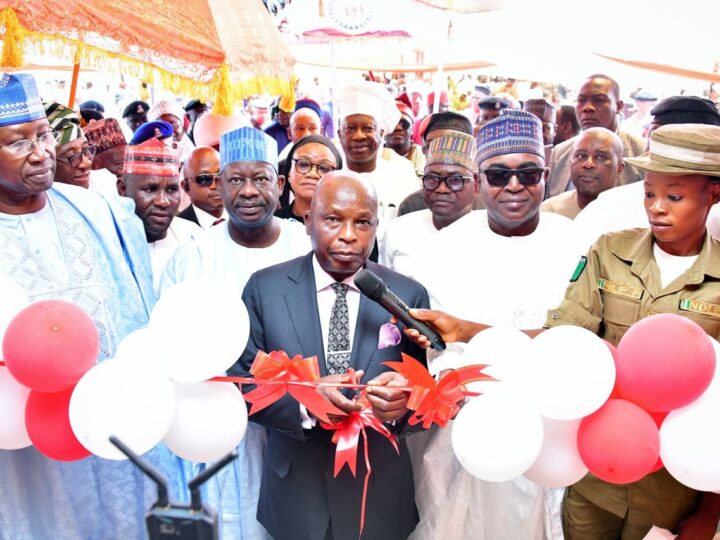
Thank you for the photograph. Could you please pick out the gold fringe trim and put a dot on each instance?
(12, 52)
(220, 89)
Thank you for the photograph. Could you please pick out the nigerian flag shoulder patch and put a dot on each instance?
(579, 269)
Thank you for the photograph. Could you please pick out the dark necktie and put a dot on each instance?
(338, 356)
(218, 221)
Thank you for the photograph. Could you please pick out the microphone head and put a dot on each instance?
(369, 284)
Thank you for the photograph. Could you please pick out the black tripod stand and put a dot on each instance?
(167, 520)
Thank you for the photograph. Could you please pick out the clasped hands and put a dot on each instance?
(388, 404)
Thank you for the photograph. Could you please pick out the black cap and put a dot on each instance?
(92, 105)
(494, 103)
(136, 107)
(193, 104)
(448, 120)
(686, 110)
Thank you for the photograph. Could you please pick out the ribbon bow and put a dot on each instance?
(347, 436)
(272, 374)
(434, 401)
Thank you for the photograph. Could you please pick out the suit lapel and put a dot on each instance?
(301, 301)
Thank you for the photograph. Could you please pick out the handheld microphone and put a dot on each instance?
(375, 289)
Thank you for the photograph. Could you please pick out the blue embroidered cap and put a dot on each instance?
(19, 99)
(513, 132)
(159, 129)
(248, 144)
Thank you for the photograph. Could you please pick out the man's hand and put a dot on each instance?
(336, 398)
(387, 403)
(450, 328)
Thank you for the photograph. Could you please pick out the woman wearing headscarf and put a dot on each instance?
(309, 160)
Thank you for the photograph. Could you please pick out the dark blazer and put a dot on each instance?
(189, 214)
(299, 498)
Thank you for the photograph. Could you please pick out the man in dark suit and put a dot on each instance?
(201, 182)
(295, 307)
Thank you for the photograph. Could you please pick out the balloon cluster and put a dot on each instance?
(569, 403)
(155, 389)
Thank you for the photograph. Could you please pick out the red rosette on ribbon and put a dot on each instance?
(276, 374)
(434, 401)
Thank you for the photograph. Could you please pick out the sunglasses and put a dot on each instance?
(206, 179)
(75, 159)
(529, 176)
(454, 182)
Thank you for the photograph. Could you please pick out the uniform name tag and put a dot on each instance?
(700, 307)
(618, 288)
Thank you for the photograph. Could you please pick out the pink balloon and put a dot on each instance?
(49, 345)
(664, 362)
(619, 443)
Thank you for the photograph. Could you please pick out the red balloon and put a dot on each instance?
(664, 362)
(48, 424)
(619, 442)
(49, 345)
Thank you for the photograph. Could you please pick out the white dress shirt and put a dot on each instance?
(206, 220)
(326, 299)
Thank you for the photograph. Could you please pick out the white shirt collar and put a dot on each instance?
(323, 280)
(206, 220)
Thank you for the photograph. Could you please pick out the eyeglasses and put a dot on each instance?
(206, 179)
(23, 148)
(304, 166)
(529, 176)
(454, 182)
(75, 159)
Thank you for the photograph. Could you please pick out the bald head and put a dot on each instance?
(303, 122)
(201, 180)
(342, 222)
(596, 164)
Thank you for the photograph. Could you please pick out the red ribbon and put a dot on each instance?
(346, 438)
(433, 401)
(275, 374)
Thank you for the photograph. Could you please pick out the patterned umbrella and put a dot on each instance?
(212, 49)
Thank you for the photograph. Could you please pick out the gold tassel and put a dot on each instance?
(223, 105)
(12, 53)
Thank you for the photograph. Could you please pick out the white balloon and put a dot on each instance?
(559, 463)
(120, 398)
(506, 351)
(13, 397)
(497, 436)
(690, 444)
(14, 299)
(144, 349)
(572, 372)
(203, 327)
(210, 420)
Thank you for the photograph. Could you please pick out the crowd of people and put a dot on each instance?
(475, 218)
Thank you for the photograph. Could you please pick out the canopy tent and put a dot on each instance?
(552, 41)
(218, 50)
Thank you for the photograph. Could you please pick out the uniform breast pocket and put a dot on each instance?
(709, 323)
(619, 313)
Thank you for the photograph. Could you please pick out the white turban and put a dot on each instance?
(166, 107)
(370, 99)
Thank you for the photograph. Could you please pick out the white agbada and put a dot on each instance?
(214, 255)
(475, 274)
(403, 236)
(235, 490)
(181, 231)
